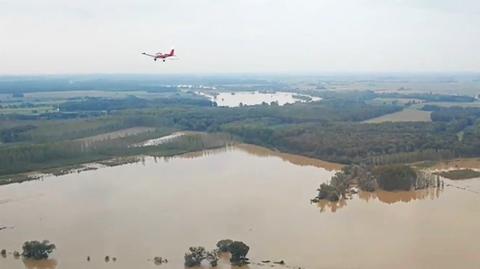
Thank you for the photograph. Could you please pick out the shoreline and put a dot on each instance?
(98, 163)
(92, 163)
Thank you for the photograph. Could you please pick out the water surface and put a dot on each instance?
(235, 99)
(160, 207)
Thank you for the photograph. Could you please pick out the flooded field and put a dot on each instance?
(161, 206)
(234, 99)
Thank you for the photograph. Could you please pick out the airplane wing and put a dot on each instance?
(148, 54)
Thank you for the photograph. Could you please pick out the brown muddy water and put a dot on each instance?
(160, 207)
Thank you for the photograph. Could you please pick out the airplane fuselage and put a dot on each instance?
(160, 55)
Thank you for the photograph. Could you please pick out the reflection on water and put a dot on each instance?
(261, 152)
(41, 264)
(386, 197)
(291, 158)
(328, 206)
(389, 197)
(199, 154)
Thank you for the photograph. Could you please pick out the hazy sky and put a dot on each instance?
(107, 36)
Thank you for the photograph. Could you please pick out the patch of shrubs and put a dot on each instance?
(395, 177)
(196, 255)
(37, 250)
(238, 250)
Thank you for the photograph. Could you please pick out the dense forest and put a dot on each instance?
(131, 102)
(430, 97)
(330, 129)
(454, 132)
(23, 158)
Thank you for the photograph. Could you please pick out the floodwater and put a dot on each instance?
(160, 207)
(235, 99)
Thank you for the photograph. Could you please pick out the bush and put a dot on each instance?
(328, 192)
(239, 252)
(395, 177)
(212, 258)
(16, 254)
(367, 183)
(224, 244)
(37, 250)
(195, 256)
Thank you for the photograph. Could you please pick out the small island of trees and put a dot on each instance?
(37, 250)
(196, 255)
(370, 178)
(237, 249)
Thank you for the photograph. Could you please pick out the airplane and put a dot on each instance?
(162, 56)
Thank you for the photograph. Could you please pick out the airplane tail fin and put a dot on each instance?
(172, 52)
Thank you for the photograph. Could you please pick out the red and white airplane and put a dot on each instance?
(161, 56)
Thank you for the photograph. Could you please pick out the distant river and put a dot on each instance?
(235, 99)
(160, 207)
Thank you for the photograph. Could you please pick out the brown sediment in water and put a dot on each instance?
(389, 197)
(386, 197)
(199, 154)
(331, 206)
(291, 158)
(40, 264)
(264, 152)
(142, 210)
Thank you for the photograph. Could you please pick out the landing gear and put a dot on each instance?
(155, 59)
(164, 60)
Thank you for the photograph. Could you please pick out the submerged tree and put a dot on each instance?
(223, 245)
(395, 177)
(239, 252)
(37, 250)
(328, 192)
(16, 254)
(367, 182)
(212, 258)
(196, 255)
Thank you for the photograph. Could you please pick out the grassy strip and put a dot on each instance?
(118, 156)
(459, 174)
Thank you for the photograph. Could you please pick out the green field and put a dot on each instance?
(459, 174)
(406, 115)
